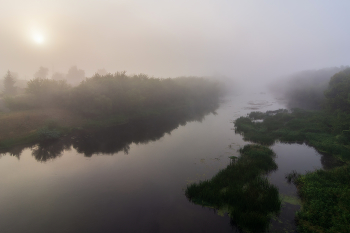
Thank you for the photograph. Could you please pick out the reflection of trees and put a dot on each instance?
(118, 138)
(49, 150)
(115, 139)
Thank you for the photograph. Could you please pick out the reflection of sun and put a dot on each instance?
(38, 38)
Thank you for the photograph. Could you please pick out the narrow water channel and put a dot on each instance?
(132, 178)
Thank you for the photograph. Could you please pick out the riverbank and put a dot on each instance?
(28, 127)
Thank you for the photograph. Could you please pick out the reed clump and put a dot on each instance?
(242, 190)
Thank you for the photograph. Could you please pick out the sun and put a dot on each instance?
(38, 38)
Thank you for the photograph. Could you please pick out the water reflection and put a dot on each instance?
(118, 138)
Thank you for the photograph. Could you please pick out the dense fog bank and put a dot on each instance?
(304, 89)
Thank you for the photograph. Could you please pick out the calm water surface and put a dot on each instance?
(132, 178)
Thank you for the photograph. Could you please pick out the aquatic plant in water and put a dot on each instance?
(242, 190)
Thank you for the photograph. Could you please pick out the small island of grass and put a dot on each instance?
(242, 190)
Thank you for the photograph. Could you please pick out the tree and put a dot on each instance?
(58, 76)
(41, 73)
(75, 75)
(102, 72)
(9, 84)
(338, 92)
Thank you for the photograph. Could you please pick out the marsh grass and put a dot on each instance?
(324, 131)
(324, 194)
(326, 203)
(242, 190)
(24, 127)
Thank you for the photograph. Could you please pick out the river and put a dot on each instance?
(132, 178)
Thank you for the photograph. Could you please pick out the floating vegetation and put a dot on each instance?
(257, 104)
(292, 176)
(290, 200)
(242, 190)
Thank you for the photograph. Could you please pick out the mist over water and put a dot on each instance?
(110, 110)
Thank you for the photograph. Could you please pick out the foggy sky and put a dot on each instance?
(245, 40)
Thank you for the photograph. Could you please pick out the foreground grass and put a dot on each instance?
(325, 195)
(241, 190)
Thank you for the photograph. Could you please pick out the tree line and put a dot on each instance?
(305, 89)
(114, 93)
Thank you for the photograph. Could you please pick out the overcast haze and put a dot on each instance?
(246, 40)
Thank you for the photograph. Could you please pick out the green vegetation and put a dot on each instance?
(338, 93)
(100, 101)
(242, 190)
(322, 130)
(322, 190)
(325, 195)
(326, 201)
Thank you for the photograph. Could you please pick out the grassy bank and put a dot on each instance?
(26, 127)
(100, 138)
(324, 131)
(241, 190)
(325, 195)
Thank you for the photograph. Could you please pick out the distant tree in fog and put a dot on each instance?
(338, 92)
(75, 75)
(305, 89)
(58, 76)
(9, 84)
(41, 73)
(101, 72)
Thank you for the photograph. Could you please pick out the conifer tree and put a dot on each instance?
(9, 84)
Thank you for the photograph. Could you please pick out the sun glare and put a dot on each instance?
(38, 38)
